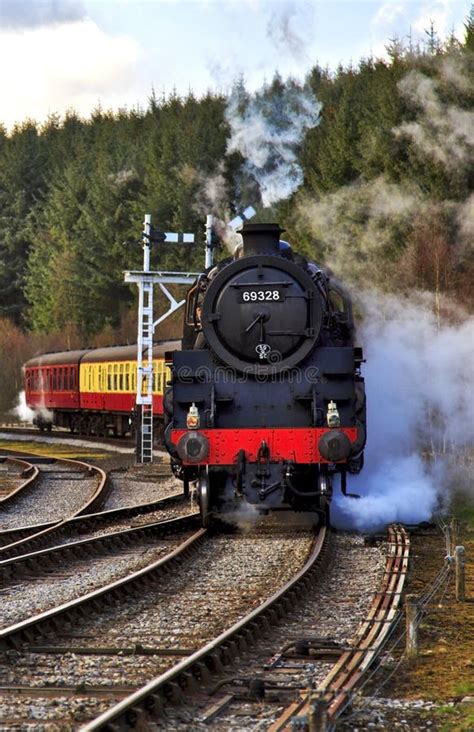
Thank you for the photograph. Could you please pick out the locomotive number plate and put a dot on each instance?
(261, 294)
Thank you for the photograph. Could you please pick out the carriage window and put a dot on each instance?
(54, 379)
(115, 382)
(121, 382)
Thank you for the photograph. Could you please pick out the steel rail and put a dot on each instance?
(27, 469)
(88, 520)
(198, 667)
(35, 560)
(335, 691)
(28, 542)
(15, 636)
(84, 523)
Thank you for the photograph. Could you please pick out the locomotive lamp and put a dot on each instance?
(333, 418)
(192, 418)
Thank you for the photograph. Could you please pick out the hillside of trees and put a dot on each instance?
(386, 199)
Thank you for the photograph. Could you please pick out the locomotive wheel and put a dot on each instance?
(324, 484)
(325, 489)
(204, 497)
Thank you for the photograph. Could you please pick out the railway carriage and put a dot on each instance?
(92, 391)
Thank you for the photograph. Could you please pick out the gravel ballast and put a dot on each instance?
(57, 493)
(230, 575)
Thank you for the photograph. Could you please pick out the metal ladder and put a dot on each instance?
(147, 434)
(145, 372)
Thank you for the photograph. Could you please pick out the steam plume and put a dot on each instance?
(443, 131)
(22, 410)
(420, 387)
(267, 129)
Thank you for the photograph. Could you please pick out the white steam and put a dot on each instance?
(358, 223)
(267, 129)
(465, 220)
(442, 131)
(289, 29)
(22, 410)
(420, 399)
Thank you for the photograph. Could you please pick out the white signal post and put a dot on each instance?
(146, 280)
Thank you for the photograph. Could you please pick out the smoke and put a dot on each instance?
(465, 221)
(358, 224)
(22, 410)
(267, 129)
(212, 194)
(21, 14)
(444, 132)
(289, 29)
(453, 72)
(245, 517)
(420, 386)
(123, 177)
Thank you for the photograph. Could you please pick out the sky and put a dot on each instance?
(74, 54)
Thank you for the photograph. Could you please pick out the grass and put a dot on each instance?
(461, 506)
(47, 449)
(464, 688)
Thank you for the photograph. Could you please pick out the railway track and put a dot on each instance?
(321, 708)
(138, 635)
(56, 575)
(21, 542)
(15, 474)
(60, 490)
(249, 691)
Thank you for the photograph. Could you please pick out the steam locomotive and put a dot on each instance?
(266, 403)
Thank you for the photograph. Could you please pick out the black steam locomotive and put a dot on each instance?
(266, 402)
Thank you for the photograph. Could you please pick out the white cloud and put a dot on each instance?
(57, 67)
(440, 13)
(28, 14)
(388, 13)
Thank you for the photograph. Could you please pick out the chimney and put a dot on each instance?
(261, 239)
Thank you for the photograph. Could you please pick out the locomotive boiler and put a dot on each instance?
(267, 401)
